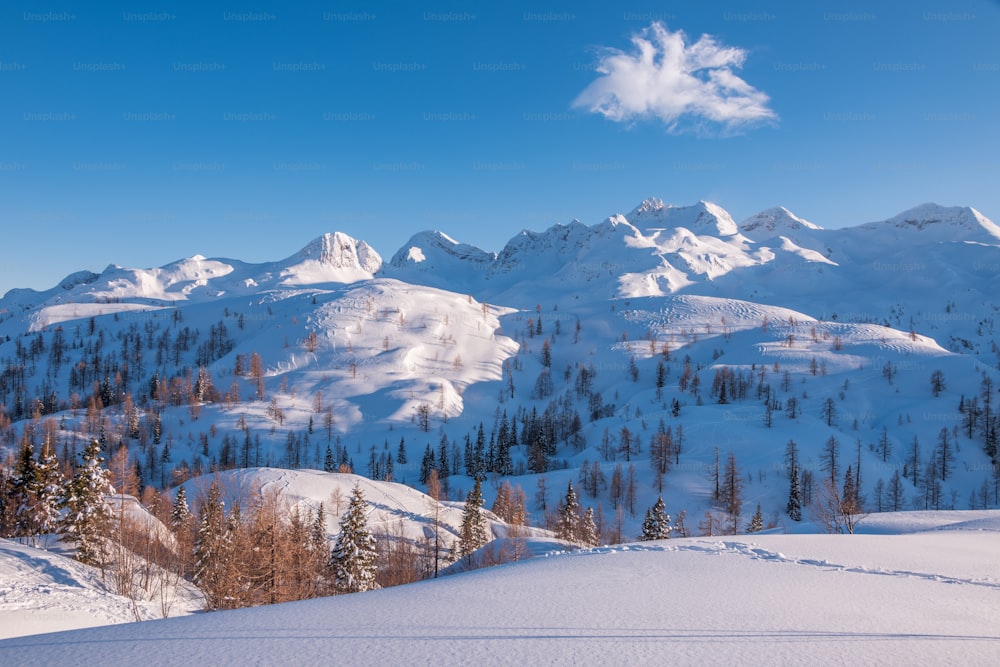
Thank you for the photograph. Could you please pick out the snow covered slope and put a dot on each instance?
(921, 598)
(44, 591)
(564, 334)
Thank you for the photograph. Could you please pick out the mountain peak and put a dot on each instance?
(957, 223)
(774, 221)
(701, 218)
(434, 258)
(332, 257)
(423, 246)
(649, 206)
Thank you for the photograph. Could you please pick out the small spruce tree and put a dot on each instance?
(353, 556)
(88, 515)
(588, 529)
(568, 527)
(656, 525)
(473, 534)
(756, 522)
(180, 514)
(212, 550)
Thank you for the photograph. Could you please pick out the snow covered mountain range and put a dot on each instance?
(862, 316)
(564, 358)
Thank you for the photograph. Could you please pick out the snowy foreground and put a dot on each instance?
(919, 588)
(46, 591)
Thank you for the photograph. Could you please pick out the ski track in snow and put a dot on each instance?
(759, 553)
(754, 551)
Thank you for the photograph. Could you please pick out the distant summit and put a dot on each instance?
(951, 223)
(334, 257)
(701, 218)
(773, 222)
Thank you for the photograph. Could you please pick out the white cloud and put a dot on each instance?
(687, 86)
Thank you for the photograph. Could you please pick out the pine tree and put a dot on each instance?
(6, 512)
(212, 551)
(23, 491)
(656, 525)
(568, 527)
(319, 550)
(473, 534)
(794, 507)
(427, 464)
(353, 556)
(181, 513)
(588, 529)
(756, 522)
(88, 516)
(51, 490)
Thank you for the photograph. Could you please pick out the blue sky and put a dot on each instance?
(140, 133)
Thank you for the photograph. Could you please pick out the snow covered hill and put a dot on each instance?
(571, 349)
(925, 597)
(42, 590)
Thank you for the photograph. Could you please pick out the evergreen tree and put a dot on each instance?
(212, 551)
(546, 356)
(87, 520)
(319, 550)
(317, 530)
(353, 556)
(443, 469)
(181, 513)
(756, 522)
(427, 464)
(474, 528)
(656, 525)
(23, 491)
(6, 512)
(51, 490)
(329, 462)
(588, 529)
(568, 527)
(504, 463)
(794, 506)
